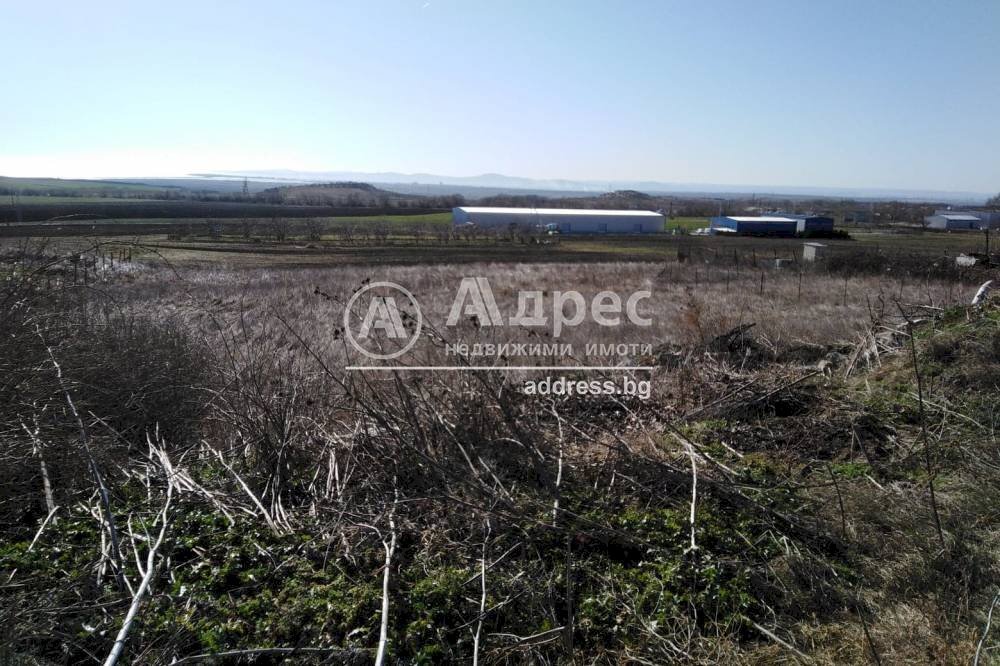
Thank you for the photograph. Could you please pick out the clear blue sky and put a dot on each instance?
(870, 94)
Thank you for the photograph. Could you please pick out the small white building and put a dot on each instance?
(563, 220)
(813, 251)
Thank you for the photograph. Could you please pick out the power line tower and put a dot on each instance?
(246, 189)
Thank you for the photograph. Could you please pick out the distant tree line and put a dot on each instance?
(103, 193)
(358, 195)
(871, 212)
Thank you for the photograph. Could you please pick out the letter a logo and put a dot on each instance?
(383, 314)
(373, 322)
(477, 297)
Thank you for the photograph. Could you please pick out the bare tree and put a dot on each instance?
(314, 229)
(279, 228)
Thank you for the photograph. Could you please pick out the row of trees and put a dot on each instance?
(364, 230)
(888, 211)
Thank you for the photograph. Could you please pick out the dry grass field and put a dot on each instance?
(688, 304)
(192, 471)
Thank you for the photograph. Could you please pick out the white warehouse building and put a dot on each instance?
(963, 219)
(955, 222)
(563, 220)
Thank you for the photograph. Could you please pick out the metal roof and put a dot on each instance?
(960, 218)
(558, 211)
(760, 219)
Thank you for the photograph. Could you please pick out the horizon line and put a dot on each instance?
(560, 185)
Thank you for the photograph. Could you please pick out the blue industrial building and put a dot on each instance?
(774, 225)
(810, 223)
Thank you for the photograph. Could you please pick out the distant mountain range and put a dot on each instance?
(415, 183)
